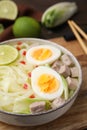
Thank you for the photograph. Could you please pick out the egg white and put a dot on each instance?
(55, 55)
(34, 82)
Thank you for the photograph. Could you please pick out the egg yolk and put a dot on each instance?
(48, 83)
(42, 54)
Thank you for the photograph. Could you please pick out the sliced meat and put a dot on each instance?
(56, 65)
(64, 70)
(57, 102)
(66, 60)
(72, 82)
(74, 72)
(37, 107)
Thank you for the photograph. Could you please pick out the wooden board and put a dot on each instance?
(76, 117)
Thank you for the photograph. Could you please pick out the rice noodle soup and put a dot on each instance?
(35, 77)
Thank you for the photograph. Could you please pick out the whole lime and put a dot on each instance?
(26, 27)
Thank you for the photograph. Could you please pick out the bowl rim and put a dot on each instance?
(66, 51)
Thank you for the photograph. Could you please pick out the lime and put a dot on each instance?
(8, 9)
(1, 28)
(7, 54)
(26, 27)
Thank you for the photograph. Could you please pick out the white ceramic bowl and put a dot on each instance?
(41, 118)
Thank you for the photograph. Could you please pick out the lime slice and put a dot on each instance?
(8, 9)
(7, 54)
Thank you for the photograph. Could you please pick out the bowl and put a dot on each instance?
(50, 115)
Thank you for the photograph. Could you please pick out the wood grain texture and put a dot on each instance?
(76, 117)
(72, 46)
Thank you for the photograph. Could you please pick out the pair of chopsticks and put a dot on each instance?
(77, 32)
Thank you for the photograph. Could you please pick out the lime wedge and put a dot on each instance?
(7, 54)
(1, 28)
(8, 9)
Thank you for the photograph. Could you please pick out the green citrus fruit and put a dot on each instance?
(8, 9)
(1, 28)
(7, 54)
(26, 27)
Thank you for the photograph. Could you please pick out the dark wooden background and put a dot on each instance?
(41, 5)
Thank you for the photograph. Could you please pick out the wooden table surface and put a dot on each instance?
(76, 117)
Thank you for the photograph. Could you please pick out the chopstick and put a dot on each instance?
(77, 30)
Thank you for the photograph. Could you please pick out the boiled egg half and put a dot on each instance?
(46, 83)
(42, 54)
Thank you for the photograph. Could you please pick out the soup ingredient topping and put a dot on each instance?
(66, 60)
(37, 107)
(66, 90)
(42, 54)
(72, 83)
(32, 96)
(57, 102)
(46, 83)
(30, 105)
(7, 54)
(74, 72)
(64, 70)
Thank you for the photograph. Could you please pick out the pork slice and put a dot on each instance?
(66, 60)
(56, 65)
(72, 83)
(57, 102)
(74, 72)
(64, 70)
(37, 107)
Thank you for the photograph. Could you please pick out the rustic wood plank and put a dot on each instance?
(76, 117)
(72, 46)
